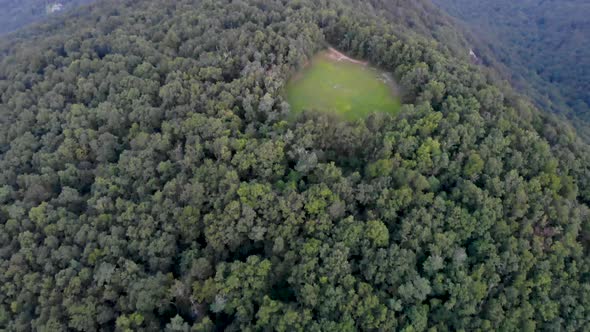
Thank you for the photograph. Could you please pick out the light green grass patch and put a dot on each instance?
(347, 89)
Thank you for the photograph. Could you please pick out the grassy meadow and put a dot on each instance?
(348, 89)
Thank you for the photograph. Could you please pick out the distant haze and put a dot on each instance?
(15, 14)
(547, 42)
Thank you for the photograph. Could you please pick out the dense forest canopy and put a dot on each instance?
(546, 43)
(152, 178)
(15, 14)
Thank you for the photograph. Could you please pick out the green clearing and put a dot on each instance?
(348, 89)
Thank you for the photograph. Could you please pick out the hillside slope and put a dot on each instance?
(545, 43)
(16, 14)
(151, 178)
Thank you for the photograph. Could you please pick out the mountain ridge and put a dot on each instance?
(543, 44)
(153, 179)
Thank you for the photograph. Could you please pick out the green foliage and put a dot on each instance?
(348, 90)
(382, 167)
(153, 178)
(377, 233)
(17, 14)
(545, 45)
(473, 166)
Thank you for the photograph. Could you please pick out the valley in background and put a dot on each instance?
(544, 43)
(154, 176)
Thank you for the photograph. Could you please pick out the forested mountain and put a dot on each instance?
(153, 178)
(15, 14)
(545, 43)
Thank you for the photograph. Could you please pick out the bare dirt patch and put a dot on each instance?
(335, 55)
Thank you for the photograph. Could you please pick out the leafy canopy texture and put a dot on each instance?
(15, 14)
(545, 43)
(152, 178)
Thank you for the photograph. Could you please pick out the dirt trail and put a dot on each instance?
(338, 56)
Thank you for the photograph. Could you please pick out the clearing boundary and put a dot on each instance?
(339, 56)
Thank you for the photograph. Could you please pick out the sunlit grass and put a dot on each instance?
(348, 89)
